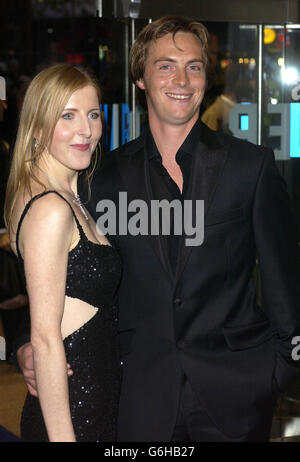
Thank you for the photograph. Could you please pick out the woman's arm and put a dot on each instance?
(45, 239)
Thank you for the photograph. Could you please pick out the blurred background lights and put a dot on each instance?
(269, 36)
(289, 74)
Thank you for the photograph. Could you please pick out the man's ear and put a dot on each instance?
(140, 84)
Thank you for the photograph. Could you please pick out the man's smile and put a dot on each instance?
(178, 96)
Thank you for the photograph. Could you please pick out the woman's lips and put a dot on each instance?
(81, 147)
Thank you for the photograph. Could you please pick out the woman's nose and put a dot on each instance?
(85, 127)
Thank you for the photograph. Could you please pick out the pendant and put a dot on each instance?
(78, 202)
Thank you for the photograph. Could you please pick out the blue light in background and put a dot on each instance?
(125, 123)
(244, 122)
(295, 130)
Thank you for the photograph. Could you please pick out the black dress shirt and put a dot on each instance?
(164, 187)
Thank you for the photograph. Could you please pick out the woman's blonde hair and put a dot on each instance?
(44, 102)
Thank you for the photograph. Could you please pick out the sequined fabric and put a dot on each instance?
(93, 275)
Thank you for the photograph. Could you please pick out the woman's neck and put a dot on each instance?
(58, 177)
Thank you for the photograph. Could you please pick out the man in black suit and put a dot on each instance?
(201, 360)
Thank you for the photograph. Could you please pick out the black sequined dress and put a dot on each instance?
(93, 275)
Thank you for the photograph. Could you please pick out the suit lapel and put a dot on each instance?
(207, 166)
(134, 171)
(159, 242)
(208, 163)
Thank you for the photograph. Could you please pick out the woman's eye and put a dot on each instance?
(67, 116)
(94, 115)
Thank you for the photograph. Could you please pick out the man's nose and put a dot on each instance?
(181, 77)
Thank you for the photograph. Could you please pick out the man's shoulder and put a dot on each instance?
(240, 152)
(239, 143)
(215, 138)
(243, 147)
(110, 161)
(128, 148)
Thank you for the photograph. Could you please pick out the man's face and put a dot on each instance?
(174, 80)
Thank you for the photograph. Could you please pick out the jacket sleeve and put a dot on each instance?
(21, 333)
(277, 239)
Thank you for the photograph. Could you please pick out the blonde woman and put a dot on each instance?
(71, 271)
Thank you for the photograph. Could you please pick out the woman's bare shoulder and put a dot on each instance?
(48, 217)
(48, 206)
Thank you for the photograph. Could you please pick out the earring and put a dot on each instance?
(36, 143)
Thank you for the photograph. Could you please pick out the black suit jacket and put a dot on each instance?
(203, 319)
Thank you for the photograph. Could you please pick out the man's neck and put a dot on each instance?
(169, 138)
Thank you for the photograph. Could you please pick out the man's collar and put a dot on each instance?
(151, 148)
(188, 146)
(189, 143)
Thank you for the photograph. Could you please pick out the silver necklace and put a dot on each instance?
(79, 204)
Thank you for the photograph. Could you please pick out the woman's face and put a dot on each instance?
(78, 130)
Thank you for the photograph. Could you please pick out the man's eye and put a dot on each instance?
(164, 67)
(196, 67)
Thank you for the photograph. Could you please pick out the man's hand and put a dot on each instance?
(5, 242)
(25, 360)
(19, 301)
